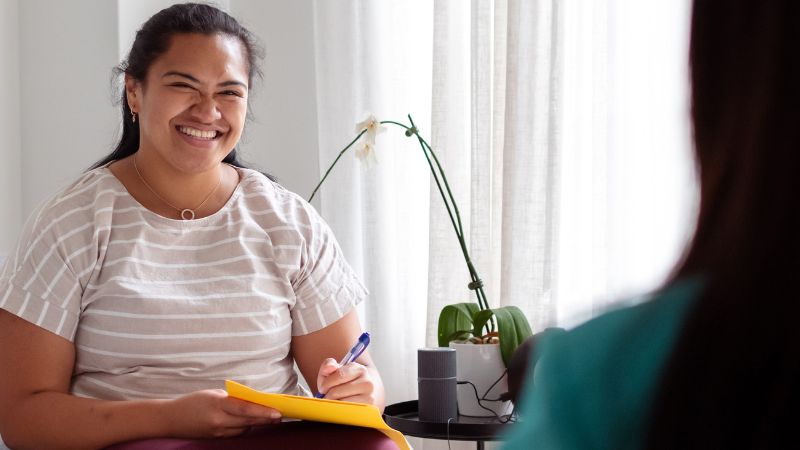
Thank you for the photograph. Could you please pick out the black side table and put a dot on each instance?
(404, 417)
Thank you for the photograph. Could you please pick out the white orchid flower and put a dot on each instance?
(373, 127)
(366, 153)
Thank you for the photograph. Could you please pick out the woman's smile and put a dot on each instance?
(199, 134)
(200, 137)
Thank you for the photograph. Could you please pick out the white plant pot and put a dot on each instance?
(481, 365)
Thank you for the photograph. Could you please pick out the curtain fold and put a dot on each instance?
(531, 158)
(374, 57)
(627, 190)
(564, 131)
(496, 94)
(448, 275)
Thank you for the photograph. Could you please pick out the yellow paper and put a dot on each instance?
(319, 410)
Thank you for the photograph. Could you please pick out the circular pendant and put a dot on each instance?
(187, 214)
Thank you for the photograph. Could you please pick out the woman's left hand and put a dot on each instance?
(353, 382)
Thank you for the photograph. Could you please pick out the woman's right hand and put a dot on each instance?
(36, 367)
(212, 413)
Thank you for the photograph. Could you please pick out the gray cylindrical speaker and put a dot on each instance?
(436, 371)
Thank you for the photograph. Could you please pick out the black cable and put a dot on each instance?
(492, 387)
(505, 418)
(479, 399)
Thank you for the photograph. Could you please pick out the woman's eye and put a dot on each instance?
(181, 85)
(234, 93)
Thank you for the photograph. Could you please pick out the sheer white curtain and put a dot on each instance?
(563, 130)
(495, 99)
(627, 195)
(375, 57)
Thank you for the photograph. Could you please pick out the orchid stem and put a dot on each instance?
(334, 163)
(449, 204)
(426, 148)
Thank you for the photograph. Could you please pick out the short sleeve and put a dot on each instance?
(326, 287)
(37, 281)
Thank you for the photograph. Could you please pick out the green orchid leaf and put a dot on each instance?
(513, 328)
(461, 335)
(479, 320)
(454, 319)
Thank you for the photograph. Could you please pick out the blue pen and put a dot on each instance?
(352, 355)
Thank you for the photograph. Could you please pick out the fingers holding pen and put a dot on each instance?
(360, 388)
(344, 382)
(328, 367)
(326, 370)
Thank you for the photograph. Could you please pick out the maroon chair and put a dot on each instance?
(298, 435)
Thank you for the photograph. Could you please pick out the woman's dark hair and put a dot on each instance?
(153, 40)
(732, 380)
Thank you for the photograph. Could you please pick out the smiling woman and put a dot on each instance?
(191, 110)
(195, 97)
(181, 84)
(169, 267)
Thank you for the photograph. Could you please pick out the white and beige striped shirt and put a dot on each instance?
(158, 307)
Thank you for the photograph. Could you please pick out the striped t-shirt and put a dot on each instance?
(158, 307)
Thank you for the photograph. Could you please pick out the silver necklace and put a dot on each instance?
(185, 213)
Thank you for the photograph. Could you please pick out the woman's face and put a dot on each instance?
(193, 104)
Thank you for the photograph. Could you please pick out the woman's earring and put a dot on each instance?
(133, 116)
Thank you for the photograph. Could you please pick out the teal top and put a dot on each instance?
(593, 386)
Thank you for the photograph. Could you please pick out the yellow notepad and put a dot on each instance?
(319, 410)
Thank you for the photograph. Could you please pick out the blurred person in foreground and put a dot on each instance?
(712, 360)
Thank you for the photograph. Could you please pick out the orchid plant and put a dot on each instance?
(476, 322)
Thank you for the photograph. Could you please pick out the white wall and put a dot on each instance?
(282, 140)
(10, 181)
(131, 14)
(66, 52)
(9, 129)
(57, 106)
